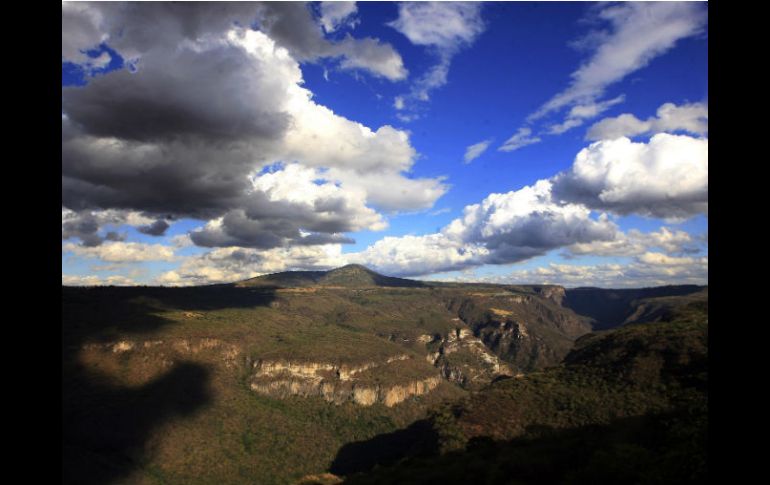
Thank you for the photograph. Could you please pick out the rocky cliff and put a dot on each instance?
(527, 330)
(463, 359)
(340, 383)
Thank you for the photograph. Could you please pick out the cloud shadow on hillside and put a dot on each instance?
(106, 426)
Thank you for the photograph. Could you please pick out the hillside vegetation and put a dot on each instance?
(628, 405)
(292, 375)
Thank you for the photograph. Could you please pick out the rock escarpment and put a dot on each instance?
(528, 330)
(464, 359)
(340, 383)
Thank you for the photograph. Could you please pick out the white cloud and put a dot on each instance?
(660, 259)
(441, 24)
(123, 252)
(392, 191)
(527, 222)
(445, 27)
(226, 265)
(651, 270)
(691, 118)
(143, 142)
(181, 241)
(373, 56)
(474, 151)
(503, 228)
(522, 138)
(337, 14)
(93, 280)
(291, 205)
(581, 112)
(640, 31)
(86, 225)
(419, 255)
(635, 243)
(437, 212)
(566, 125)
(665, 178)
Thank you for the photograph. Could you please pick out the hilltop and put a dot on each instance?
(349, 276)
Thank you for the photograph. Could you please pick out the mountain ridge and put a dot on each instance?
(348, 276)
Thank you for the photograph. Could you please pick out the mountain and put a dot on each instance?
(290, 375)
(350, 276)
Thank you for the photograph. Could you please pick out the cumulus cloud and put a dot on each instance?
(337, 14)
(520, 139)
(635, 243)
(525, 223)
(666, 177)
(157, 228)
(474, 151)
(691, 118)
(638, 32)
(393, 192)
(502, 229)
(86, 225)
(135, 29)
(291, 25)
(145, 142)
(122, 252)
(290, 206)
(420, 255)
(225, 265)
(444, 28)
(619, 176)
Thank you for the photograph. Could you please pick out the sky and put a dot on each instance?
(504, 142)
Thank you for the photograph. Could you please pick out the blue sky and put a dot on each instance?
(198, 151)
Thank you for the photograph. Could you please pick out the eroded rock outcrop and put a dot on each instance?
(529, 331)
(464, 359)
(337, 383)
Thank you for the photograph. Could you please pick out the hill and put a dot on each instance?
(275, 378)
(350, 276)
(627, 406)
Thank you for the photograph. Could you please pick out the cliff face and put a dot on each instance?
(390, 381)
(337, 383)
(553, 293)
(527, 330)
(464, 359)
